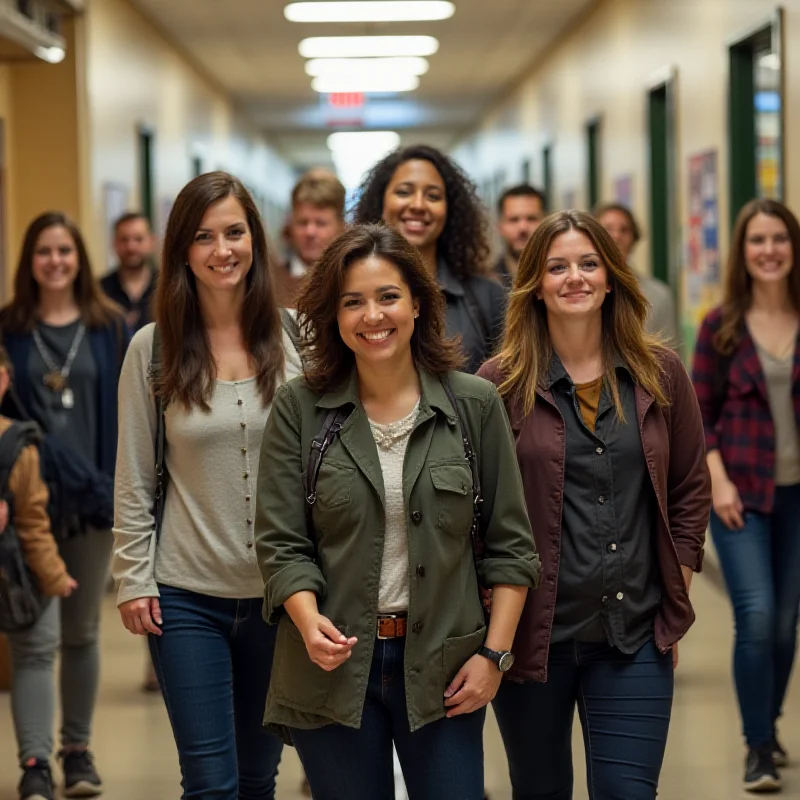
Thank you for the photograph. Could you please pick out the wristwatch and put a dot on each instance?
(503, 659)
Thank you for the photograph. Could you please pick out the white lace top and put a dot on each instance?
(392, 440)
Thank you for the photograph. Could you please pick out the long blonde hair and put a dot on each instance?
(527, 349)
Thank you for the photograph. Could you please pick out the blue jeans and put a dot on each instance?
(213, 661)
(444, 759)
(624, 702)
(761, 565)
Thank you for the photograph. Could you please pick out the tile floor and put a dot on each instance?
(137, 757)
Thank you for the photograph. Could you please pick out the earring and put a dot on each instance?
(416, 315)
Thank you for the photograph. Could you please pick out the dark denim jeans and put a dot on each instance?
(442, 760)
(213, 662)
(761, 565)
(624, 702)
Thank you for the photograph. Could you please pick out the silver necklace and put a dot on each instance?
(57, 378)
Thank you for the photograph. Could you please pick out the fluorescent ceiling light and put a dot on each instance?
(53, 55)
(370, 11)
(358, 141)
(410, 65)
(330, 84)
(367, 46)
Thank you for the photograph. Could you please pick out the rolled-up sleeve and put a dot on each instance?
(284, 546)
(510, 554)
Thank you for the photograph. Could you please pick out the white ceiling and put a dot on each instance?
(250, 49)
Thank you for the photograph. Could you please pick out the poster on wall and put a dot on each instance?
(115, 204)
(702, 273)
(623, 190)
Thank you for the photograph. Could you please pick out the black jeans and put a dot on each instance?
(624, 702)
(213, 662)
(442, 760)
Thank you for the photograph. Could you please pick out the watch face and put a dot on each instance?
(506, 662)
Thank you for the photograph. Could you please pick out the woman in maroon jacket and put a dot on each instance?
(610, 445)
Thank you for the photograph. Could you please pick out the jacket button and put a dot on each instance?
(599, 451)
(416, 516)
(612, 548)
(243, 424)
(249, 545)
(249, 521)
(421, 571)
(417, 627)
(605, 598)
(620, 595)
(601, 499)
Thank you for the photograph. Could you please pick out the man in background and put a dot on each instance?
(520, 211)
(317, 218)
(132, 284)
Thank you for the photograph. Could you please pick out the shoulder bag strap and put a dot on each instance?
(160, 437)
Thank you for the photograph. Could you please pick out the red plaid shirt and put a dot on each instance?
(739, 424)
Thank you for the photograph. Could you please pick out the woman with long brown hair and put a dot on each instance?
(364, 535)
(747, 377)
(66, 341)
(610, 444)
(189, 580)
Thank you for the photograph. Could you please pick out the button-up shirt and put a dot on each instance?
(609, 581)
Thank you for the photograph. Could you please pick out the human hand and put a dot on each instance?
(70, 585)
(326, 645)
(142, 616)
(474, 687)
(727, 504)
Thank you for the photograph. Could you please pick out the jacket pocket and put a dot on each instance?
(453, 487)
(457, 650)
(335, 484)
(296, 679)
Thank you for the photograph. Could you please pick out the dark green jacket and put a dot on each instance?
(446, 625)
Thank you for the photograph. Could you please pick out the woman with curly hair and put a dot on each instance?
(364, 536)
(427, 198)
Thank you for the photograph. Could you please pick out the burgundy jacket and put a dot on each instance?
(673, 442)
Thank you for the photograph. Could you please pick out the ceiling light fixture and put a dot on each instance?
(370, 11)
(409, 65)
(366, 84)
(367, 46)
(53, 55)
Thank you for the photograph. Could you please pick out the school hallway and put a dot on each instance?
(137, 760)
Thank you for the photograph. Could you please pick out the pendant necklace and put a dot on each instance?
(56, 380)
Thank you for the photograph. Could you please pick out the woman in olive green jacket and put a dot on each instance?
(382, 636)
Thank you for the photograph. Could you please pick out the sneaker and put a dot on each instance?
(36, 782)
(760, 774)
(80, 776)
(779, 756)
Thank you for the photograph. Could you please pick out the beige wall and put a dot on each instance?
(604, 66)
(135, 77)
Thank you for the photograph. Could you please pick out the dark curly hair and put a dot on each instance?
(327, 359)
(464, 243)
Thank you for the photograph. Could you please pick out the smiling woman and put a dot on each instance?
(365, 511)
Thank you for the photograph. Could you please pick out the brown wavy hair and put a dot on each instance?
(738, 283)
(188, 369)
(328, 360)
(20, 315)
(527, 350)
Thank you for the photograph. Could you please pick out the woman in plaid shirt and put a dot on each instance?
(747, 377)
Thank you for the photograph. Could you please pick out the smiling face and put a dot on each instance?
(768, 252)
(575, 283)
(221, 253)
(55, 260)
(415, 203)
(619, 227)
(376, 311)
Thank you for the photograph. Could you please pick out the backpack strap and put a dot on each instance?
(160, 436)
(18, 436)
(477, 495)
(334, 420)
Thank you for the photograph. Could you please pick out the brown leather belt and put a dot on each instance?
(392, 626)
